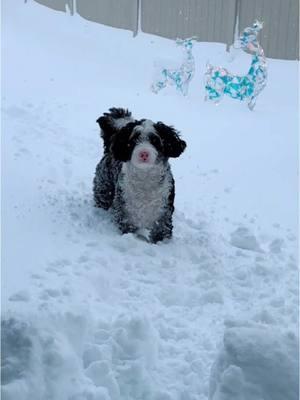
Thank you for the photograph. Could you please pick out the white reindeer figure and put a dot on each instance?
(219, 81)
(181, 76)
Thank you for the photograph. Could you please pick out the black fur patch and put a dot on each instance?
(108, 125)
(121, 146)
(173, 145)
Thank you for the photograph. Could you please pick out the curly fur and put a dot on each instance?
(139, 194)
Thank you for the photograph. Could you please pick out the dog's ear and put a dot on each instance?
(104, 123)
(111, 122)
(121, 148)
(115, 118)
(107, 130)
(173, 145)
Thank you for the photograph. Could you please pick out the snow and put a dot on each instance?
(256, 363)
(88, 314)
(244, 239)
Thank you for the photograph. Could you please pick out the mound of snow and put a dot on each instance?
(46, 361)
(256, 363)
(244, 239)
(122, 357)
(39, 362)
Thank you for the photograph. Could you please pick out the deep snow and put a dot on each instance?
(256, 363)
(89, 314)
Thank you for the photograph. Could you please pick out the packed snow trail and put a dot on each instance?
(89, 314)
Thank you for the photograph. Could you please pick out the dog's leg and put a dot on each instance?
(163, 227)
(120, 215)
(103, 185)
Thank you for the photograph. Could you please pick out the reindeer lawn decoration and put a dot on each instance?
(182, 76)
(219, 81)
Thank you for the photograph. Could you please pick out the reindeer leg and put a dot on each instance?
(184, 88)
(160, 84)
(252, 103)
(157, 86)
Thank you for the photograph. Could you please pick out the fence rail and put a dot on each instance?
(208, 20)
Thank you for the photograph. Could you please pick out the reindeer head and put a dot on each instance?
(186, 43)
(248, 39)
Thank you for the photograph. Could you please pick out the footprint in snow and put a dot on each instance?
(22, 295)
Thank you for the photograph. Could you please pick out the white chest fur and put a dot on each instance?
(145, 193)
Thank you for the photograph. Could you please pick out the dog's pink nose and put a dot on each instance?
(144, 155)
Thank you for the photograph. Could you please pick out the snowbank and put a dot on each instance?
(61, 359)
(256, 363)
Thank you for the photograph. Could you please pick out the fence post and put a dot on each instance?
(138, 22)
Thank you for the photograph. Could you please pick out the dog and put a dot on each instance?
(134, 178)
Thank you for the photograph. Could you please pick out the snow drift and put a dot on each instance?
(256, 363)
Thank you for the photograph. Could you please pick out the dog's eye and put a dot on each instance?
(134, 137)
(155, 140)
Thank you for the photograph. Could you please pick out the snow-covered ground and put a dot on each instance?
(88, 314)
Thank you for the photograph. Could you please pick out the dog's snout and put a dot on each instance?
(144, 155)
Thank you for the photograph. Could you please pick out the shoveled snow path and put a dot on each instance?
(177, 286)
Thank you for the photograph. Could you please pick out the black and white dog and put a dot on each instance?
(134, 178)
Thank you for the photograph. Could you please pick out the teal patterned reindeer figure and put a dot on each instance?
(219, 81)
(179, 77)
